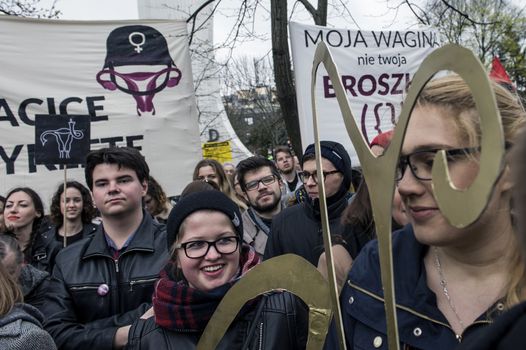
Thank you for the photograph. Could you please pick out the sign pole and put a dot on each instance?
(65, 201)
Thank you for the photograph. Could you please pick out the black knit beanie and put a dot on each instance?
(204, 200)
(337, 155)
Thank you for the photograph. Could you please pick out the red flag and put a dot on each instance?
(498, 73)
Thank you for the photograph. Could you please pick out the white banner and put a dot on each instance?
(375, 68)
(132, 79)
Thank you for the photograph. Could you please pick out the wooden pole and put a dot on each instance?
(65, 243)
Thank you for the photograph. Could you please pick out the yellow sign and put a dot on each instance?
(220, 151)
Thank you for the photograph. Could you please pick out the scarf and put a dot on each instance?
(179, 307)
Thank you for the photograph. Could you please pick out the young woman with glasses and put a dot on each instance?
(204, 235)
(449, 281)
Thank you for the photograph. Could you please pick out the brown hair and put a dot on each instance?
(156, 192)
(452, 94)
(9, 292)
(88, 210)
(224, 184)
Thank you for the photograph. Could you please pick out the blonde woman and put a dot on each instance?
(449, 282)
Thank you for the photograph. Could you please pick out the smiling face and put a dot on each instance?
(431, 128)
(117, 191)
(74, 204)
(214, 269)
(19, 211)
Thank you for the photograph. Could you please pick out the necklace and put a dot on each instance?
(443, 283)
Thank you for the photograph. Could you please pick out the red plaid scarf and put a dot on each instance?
(179, 307)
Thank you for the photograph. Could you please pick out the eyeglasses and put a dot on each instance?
(198, 249)
(421, 162)
(304, 175)
(254, 185)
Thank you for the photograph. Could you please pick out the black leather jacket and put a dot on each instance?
(80, 313)
(278, 321)
(46, 247)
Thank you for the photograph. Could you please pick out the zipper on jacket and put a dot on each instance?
(261, 336)
(134, 282)
(83, 287)
(116, 265)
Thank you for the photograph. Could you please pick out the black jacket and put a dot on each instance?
(506, 333)
(46, 247)
(278, 321)
(298, 230)
(79, 313)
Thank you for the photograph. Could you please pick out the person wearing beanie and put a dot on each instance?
(297, 229)
(204, 237)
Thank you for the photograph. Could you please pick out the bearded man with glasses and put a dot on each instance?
(260, 181)
(297, 229)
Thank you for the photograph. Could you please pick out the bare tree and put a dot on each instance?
(249, 97)
(28, 8)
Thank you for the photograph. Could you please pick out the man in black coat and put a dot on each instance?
(101, 284)
(298, 229)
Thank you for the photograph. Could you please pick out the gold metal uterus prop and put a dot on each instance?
(460, 207)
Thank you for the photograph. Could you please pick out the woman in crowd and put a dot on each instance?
(33, 283)
(20, 324)
(78, 212)
(211, 170)
(449, 281)
(23, 214)
(2, 222)
(156, 202)
(204, 234)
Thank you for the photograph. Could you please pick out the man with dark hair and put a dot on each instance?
(101, 284)
(298, 229)
(287, 167)
(260, 181)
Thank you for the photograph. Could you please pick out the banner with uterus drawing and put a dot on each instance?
(375, 67)
(94, 84)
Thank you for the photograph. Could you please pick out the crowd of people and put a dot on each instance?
(117, 265)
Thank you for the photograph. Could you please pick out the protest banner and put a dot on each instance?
(132, 80)
(375, 69)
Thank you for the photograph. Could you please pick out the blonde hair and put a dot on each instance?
(9, 291)
(452, 94)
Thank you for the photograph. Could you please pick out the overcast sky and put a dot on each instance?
(370, 14)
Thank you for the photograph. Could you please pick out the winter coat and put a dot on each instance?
(46, 247)
(421, 325)
(34, 284)
(93, 293)
(298, 230)
(21, 329)
(278, 321)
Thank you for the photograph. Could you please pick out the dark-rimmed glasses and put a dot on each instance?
(304, 175)
(254, 185)
(421, 162)
(198, 249)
